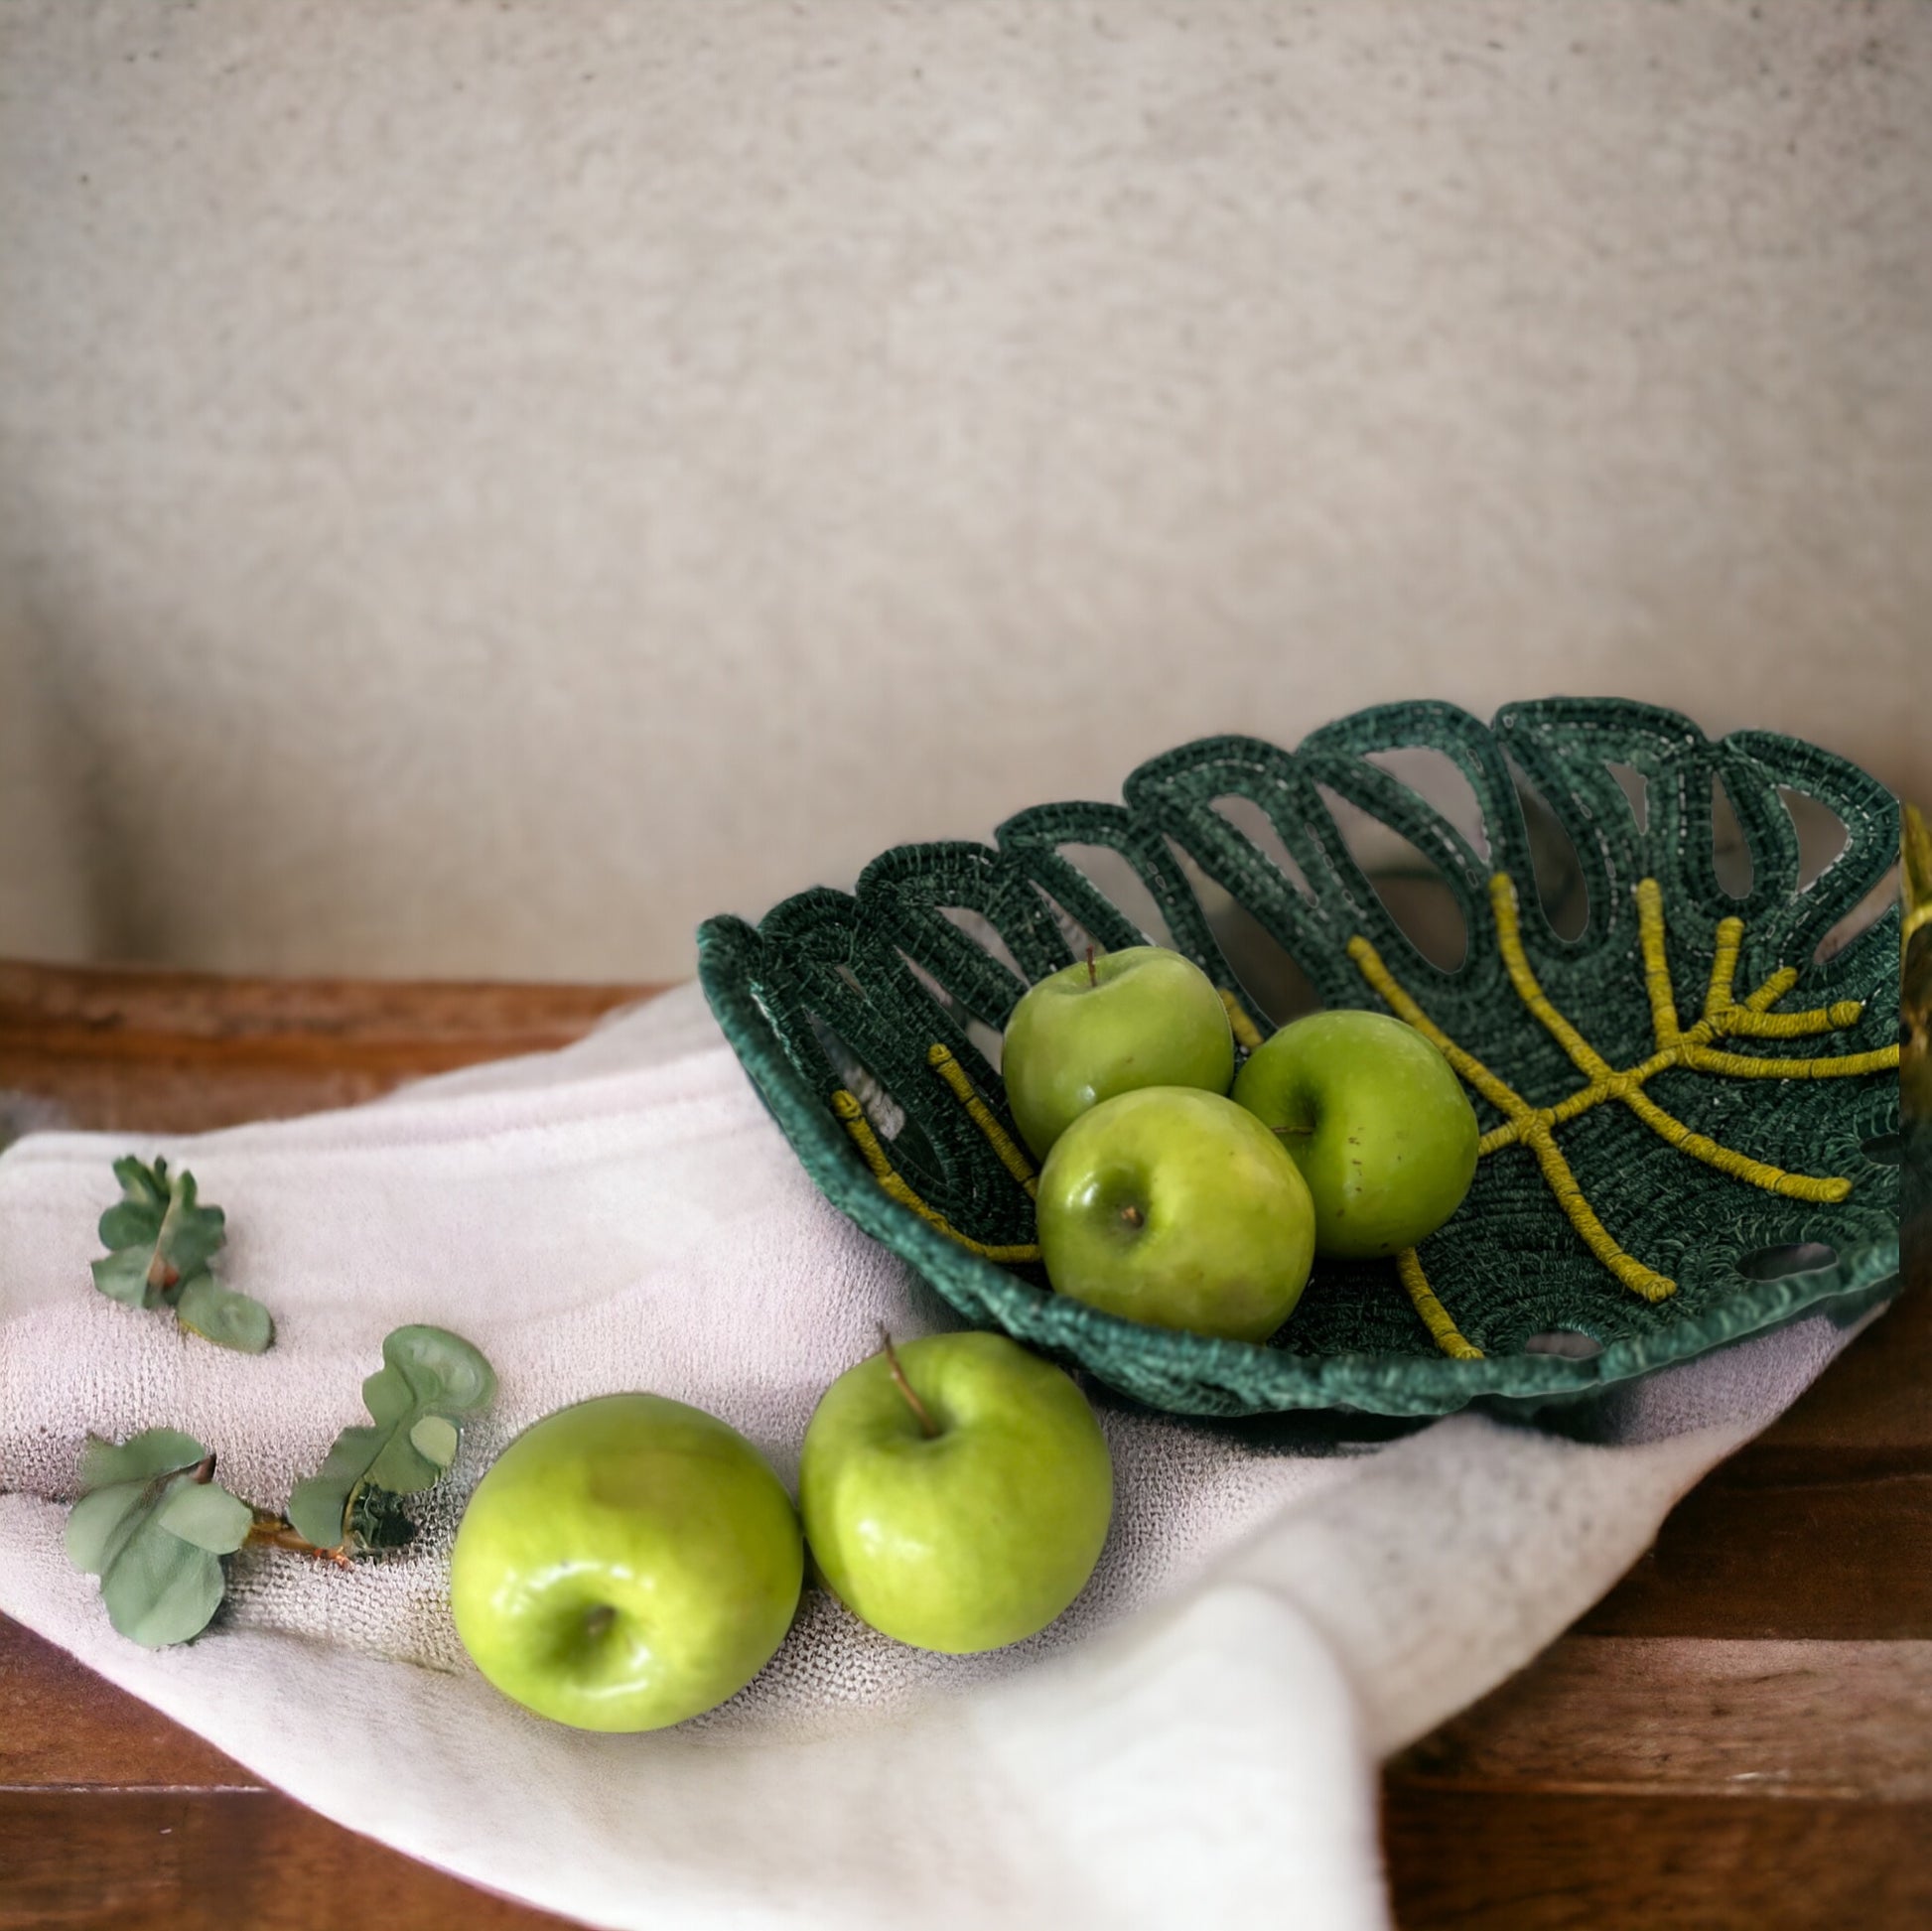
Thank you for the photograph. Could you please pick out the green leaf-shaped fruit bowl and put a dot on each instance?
(1686, 1077)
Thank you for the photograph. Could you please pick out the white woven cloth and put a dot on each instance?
(1195, 1742)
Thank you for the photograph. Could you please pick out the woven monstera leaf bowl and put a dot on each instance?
(1689, 1089)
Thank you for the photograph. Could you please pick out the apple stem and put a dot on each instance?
(1093, 971)
(1133, 1216)
(919, 1408)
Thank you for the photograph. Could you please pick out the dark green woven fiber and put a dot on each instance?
(834, 990)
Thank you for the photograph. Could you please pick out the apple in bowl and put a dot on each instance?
(1177, 1208)
(1111, 1024)
(1375, 1119)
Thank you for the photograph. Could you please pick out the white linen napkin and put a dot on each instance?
(1195, 1742)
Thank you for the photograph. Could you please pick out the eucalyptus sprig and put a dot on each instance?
(153, 1524)
(430, 1382)
(159, 1240)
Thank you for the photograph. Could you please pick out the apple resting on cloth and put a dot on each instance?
(1178, 1208)
(956, 1491)
(1376, 1120)
(626, 1563)
(1144, 1017)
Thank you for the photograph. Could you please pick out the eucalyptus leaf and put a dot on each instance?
(435, 1440)
(161, 1590)
(157, 1233)
(222, 1315)
(123, 1277)
(208, 1516)
(154, 1452)
(154, 1531)
(429, 1375)
(161, 1239)
(97, 1525)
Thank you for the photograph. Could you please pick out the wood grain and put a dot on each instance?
(1739, 1736)
(1596, 1716)
(189, 1859)
(1551, 1861)
(62, 1726)
(1822, 1527)
(183, 1051)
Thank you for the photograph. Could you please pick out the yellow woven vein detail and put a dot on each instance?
(1725, 1016)
(1742, 1023)
(1368, 962)
(1528, 1127)
(1247, 1035)
(1724, 967)
(1726, 1159)
(852, 1115)
(1509, 938)
(1656, 963)
(1434, 1316)
(1535, 1134)
(942, 1061)
(1744, 1066)
(1773, 990)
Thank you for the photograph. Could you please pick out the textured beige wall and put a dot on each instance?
(482, 487)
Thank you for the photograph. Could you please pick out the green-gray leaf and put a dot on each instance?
(154, 1534)
(161, 1590)
(429, 1375)
(222, 1315)
(123, 1277)
(160, 1240)
(435, 1440)
(208, 1516)
(158, 1232)
(154, 1452)
(97, 1525)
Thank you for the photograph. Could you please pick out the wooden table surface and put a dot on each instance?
(1739, 1735)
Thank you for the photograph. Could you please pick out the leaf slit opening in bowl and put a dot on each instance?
(1774, 1263)
(1253, 821)
(1113, 875)
(1822, 834)
(1263, 968)
(988, 1038)
(1861, 918)
(984, 934)
(1442, 784)
(1559, 872)
(1730, 851)
(1413, 890)
(1636, 788)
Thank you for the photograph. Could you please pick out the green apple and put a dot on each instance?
(1144, 1017)
(626, 1563)
(956, 1491)
(1177, 1208)
(1376, 1120)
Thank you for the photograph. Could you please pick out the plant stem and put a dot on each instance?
(927, 1425)
(272, 1532)
(1093, 971)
